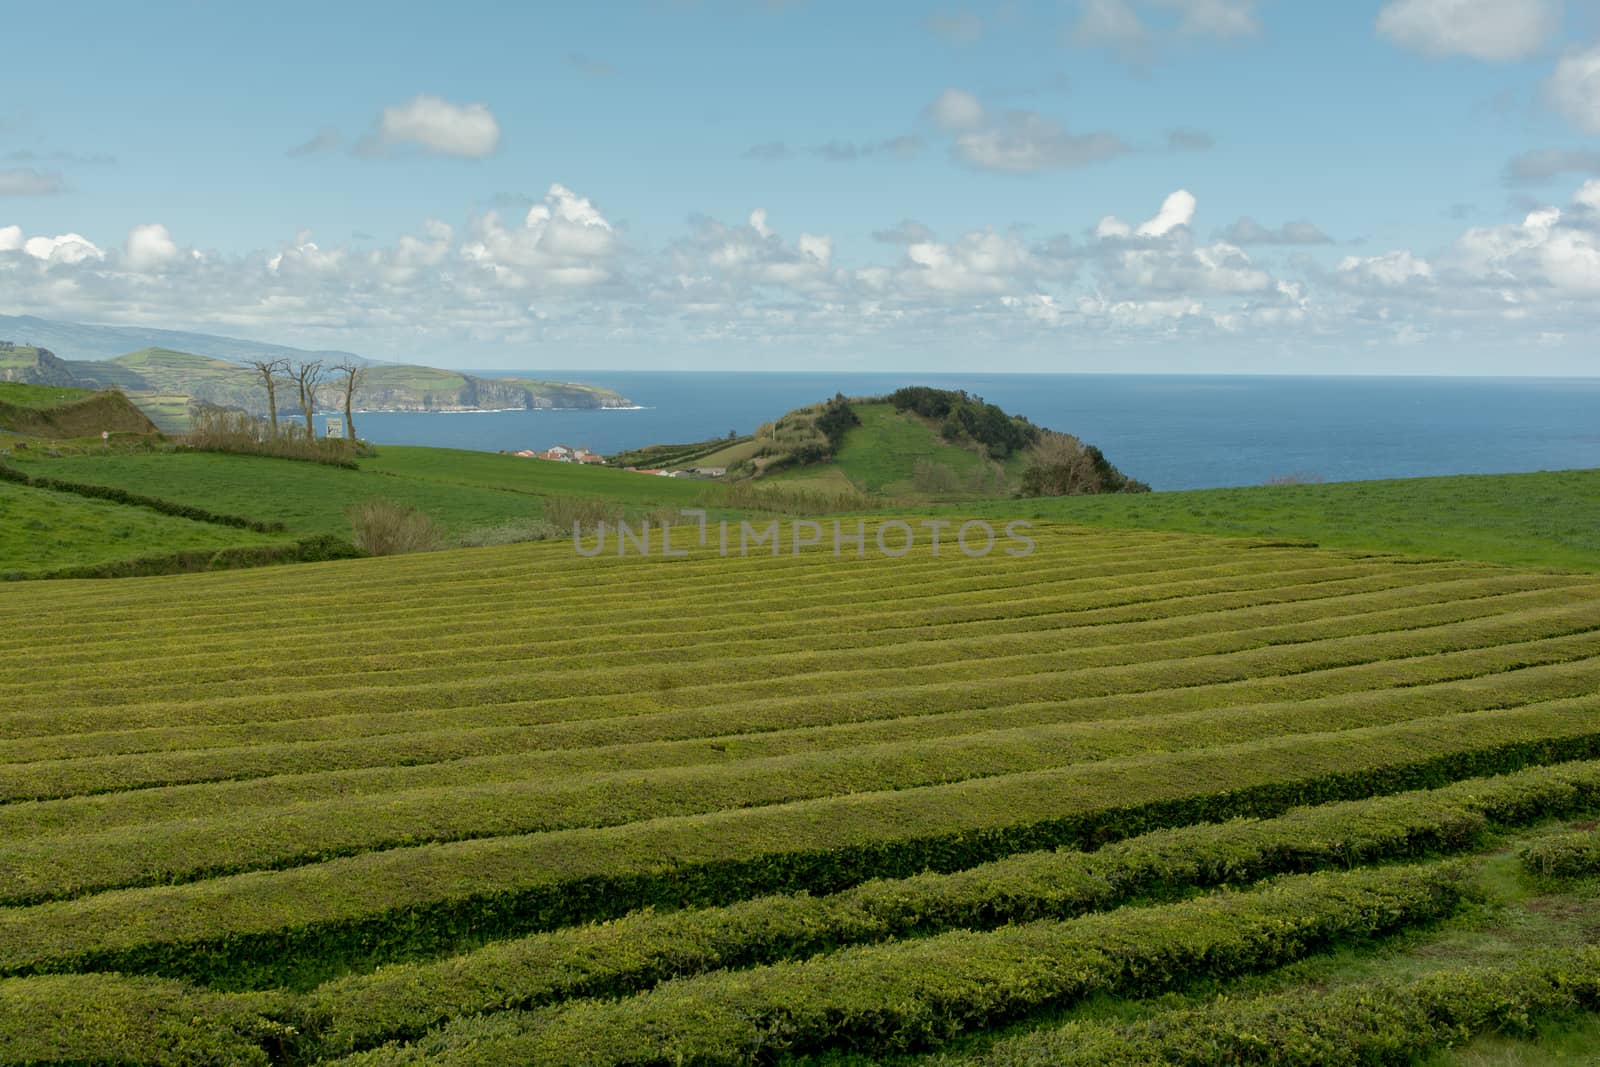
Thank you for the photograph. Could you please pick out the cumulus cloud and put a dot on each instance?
(25, 181)
(10, 238)
(1494, 30)
(1247, 231)
(438, 126)
(1574, 88)
(1389, 271)
(65, 249)
(564, 240)
(1176, 210)
(149, 247)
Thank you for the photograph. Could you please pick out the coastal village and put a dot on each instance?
(564, 454)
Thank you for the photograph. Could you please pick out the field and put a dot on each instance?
(514, 806)
(48, 531)
(459, 490)
(1547, 519)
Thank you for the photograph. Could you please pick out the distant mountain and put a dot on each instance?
(83, 341)
(165, 382)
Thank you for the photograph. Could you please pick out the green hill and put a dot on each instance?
(56, 411)
(919, 444)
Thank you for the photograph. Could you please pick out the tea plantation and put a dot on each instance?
(1136, 797)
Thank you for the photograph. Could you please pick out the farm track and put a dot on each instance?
(268, 779)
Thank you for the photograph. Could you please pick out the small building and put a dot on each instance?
(709, 472)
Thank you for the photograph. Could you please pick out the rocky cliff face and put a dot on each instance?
(45, 368)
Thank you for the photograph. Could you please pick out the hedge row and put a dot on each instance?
(1568, 855)
(917, 994)
(312, 550)
(620, 691)
(112, 1019)
(147, 653)
(295, 926)
(295, 772)
(201, 842)
(966, 657)
(642, 949)
(717, 733)
(1054, 619)
(1379, 1021)
(122, 496)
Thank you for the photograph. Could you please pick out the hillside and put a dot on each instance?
(916, 444)
(159, 377)
(1134, 791)
(50, 411)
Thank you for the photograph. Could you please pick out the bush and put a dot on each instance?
(510, 533)
(1061, 465)
(384, 528)
(562, 512)
(222, 430)
(1571, 855)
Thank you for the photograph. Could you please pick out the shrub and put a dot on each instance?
(384, 528)
(223, 430)
(562, 512)
(510, 533)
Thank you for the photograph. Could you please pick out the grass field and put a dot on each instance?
(46, 531)
(1547, 519)
(516, 806)
(459, 490)
(40, 397)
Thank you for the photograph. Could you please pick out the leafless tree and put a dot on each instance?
(308, 376)
(269, 369)
(353, 374)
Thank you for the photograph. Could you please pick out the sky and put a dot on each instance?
(1114, 186)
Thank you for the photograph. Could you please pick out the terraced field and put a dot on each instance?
(516, 806)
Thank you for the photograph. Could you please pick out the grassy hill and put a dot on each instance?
(1000, 810)
(53, 411)
(914, 445)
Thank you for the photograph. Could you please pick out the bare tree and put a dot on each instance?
(308, 376)
(353, 374)
(269, 369)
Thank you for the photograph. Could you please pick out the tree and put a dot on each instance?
(308, 376)
(353, 373)
(269, 369)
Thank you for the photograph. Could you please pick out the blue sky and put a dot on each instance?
(1271, 186)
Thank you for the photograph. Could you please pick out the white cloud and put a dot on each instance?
(956, 110)
(564, 240)
(1588, 195)
(440, 126)
(67, 249)
(1176, 210)
(1390, 270)
(10, 238)
(149, 247)
(1574, 88)
(1495, 30)
(818, 246)
(25, 181)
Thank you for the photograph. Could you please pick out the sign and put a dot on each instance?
(334, 428)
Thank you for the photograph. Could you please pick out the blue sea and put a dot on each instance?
(1174, 432)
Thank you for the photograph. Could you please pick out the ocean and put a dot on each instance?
(1174, 432)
